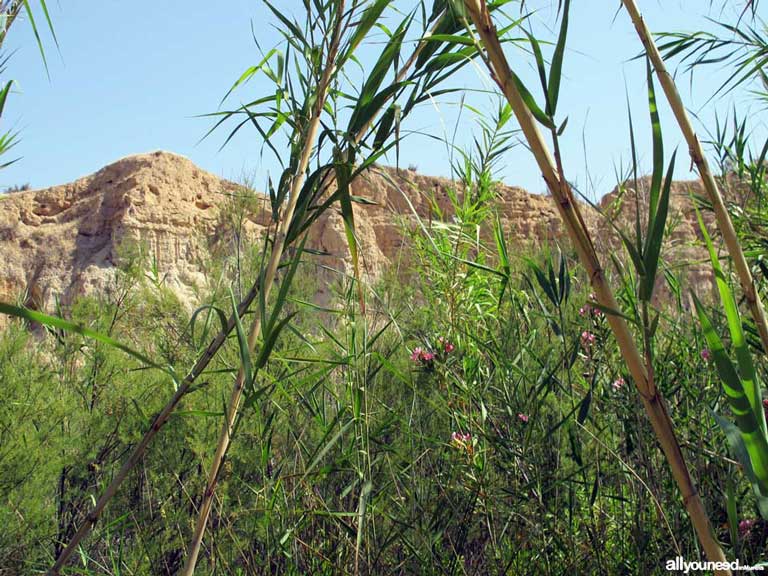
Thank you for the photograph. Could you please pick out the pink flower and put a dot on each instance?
(523, 417)
(584, 310)
(587, 338)
(618, 383)
(422, 356)
(746, 525)
(449, 347)
(705, 354)
(463, 441)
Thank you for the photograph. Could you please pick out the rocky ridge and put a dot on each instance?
(60, 242)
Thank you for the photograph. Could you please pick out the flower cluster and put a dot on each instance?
(705, 354)
(588, 339)
(422, 356)
(463, 441)
(427, 357)
(445, 345)
(618, 384)
(523, 418)
(746, 525)
(588, 310)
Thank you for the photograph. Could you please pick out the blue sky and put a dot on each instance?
(131, 77)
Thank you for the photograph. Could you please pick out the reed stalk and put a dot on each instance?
(200, 366)
(328, 181)
(159, 421)
(562, 194)
(274, 261)
(722, 217)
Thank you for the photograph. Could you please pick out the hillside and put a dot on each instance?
(67, 240)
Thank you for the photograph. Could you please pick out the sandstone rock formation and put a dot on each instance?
(68, 240)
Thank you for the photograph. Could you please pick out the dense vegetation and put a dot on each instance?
(513, 442)
(474, 412)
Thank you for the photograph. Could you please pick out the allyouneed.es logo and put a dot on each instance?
(680, 565)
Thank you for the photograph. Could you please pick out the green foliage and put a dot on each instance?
(742, 388)
(468, 414)
(351, 461)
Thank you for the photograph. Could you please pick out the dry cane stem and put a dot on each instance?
(724, 222)
(205, 508)
(157, 424)
(569, 212)
(269, 277)
(162, 418)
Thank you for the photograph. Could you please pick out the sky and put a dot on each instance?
(133, 77)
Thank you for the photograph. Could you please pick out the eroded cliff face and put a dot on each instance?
(68, 240)
(683, 249)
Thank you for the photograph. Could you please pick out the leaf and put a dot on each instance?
(210, 307)
(368, 19)
(658, 146)
(344, 180)
(655, 238)
(753, 438)
(364, 108)
(539, 57)
(60, 323)
(249, 73)
(584, 408)
(612, 312)
(739, 453)
(530, 102)
(36, 32)
(385, 128)
(242, 340)
(747, 372)
(556, 71)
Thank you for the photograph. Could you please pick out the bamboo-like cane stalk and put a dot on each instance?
(274, 261)
(205, 507)
(579, 235)
(159, 421)
(722, 217)
(202, 363)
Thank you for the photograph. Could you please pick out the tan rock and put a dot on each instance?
(68, 240)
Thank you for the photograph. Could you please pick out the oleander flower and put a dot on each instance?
(746, 525)
(587, 338)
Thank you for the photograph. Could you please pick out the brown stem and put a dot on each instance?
(269, 277)
(724, 222)
(579, 235)
(162, 418)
